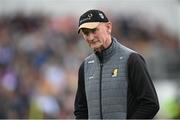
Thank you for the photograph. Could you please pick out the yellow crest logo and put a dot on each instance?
(114, 72)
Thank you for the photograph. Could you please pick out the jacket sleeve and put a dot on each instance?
(80, 105)
(142, 88)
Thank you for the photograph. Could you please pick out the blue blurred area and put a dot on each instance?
(40, 55)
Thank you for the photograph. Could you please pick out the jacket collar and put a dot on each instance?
(106, 54)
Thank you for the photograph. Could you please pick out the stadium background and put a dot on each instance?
(40, 52)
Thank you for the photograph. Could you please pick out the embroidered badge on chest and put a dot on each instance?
(115, 72)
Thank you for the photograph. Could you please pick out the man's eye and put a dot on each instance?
(86, 32)
(93, 30)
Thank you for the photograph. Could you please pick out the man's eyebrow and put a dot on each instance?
(86, 30)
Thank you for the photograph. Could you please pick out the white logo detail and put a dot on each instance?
(90, 16)
(92, 61)
(91, 77)
(121, 58)
(101, 15)
(87, 18)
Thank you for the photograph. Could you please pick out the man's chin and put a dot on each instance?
(99, 48)
(95, 47)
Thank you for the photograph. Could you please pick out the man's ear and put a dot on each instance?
(109, 27)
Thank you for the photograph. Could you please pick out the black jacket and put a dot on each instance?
(142, 100)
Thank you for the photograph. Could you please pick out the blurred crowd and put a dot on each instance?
(40, 56)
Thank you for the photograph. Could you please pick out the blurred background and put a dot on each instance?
(40, 52)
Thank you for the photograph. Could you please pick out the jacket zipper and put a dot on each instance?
(100, 85)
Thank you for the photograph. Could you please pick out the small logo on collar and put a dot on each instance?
(115, 72)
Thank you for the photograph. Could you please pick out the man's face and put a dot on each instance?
(97, 38)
